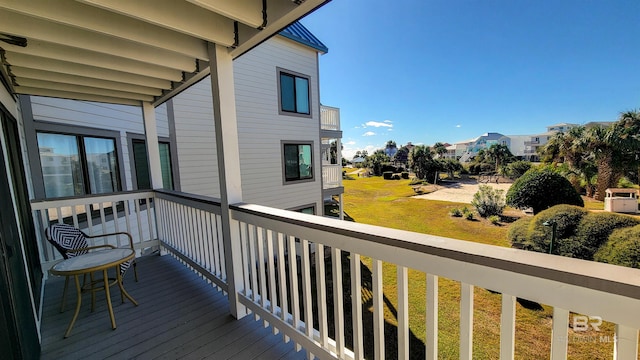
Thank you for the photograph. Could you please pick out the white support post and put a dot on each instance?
(466, 321)
(226, 130)
(153, 149)
(559, 334)
(626, 343)
(508, 327)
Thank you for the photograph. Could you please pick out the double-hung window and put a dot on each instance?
(298, 161)
(141, 164)
(294, 93)
(75, 165)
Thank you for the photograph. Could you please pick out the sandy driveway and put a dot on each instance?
(461, 192)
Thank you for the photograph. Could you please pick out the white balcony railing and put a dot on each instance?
(280, 237)
(279, 250)
(132, 212)
(329, 118)
(331, 176)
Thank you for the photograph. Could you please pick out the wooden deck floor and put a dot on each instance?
(179, 316)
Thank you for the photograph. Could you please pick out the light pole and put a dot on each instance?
(554, 226)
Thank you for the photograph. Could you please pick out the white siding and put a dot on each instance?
(195, 140)
(261, 129)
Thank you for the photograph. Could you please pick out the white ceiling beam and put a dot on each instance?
(175, 15)
(25, 73)
(281, 14)
(248, 12)
(48, 85)
(34, 62)
(34, 28)
(72, 13)
(80, 56)
(75, 96)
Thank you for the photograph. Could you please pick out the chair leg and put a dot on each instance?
(135, 270)
(64, 293)
(93, 293)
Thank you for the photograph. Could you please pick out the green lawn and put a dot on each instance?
(389, 203)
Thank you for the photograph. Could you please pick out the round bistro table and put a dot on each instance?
(100, 260)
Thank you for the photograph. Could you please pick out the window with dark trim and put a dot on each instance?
(294, 93)
(298, 161)
(75, 165)
(141, 163)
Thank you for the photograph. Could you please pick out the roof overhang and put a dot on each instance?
(129, 52)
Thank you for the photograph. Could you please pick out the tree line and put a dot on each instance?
(592, 159)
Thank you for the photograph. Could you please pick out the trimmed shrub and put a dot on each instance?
(488, 201)
(518, 233)
(567, 219)
(494, 219)
(455, 212)
(594, 230)
(579, 233)
(390, 167)
(622, 248)
(517, 169)
(468, 215)
(404, 175)
(540, 190)
(395, 177)
(387, 175)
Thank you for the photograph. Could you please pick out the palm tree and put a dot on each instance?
(439, 149)
(615, 148)
(498, 153)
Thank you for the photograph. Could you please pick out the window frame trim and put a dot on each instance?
(280, 71)
(131, 137)
(283, 161)
(75, 130)
(306, 206)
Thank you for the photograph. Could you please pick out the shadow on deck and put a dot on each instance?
(179, 316)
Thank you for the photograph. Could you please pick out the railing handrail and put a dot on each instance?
(41, 204)
(569, 274)
(201, 202)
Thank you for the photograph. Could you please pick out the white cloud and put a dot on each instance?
(386, 123)
(458, 126)
(350, 143)
(369, 133)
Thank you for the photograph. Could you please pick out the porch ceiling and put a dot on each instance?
(128, 52)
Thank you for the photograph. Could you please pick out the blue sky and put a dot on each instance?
(451, 70)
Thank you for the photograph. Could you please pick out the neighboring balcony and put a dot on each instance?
(329, 118)
(331, 176)
(331, 136)
(295, 274)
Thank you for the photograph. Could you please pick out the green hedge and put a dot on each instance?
(579, 233)
(387, 175)
(622, 248)
(567, 219)
(594, 230)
